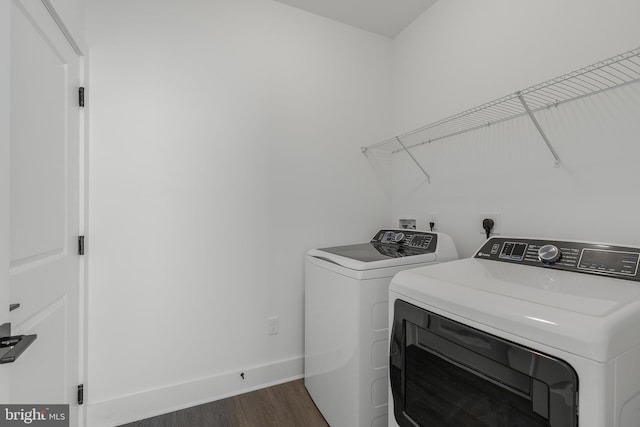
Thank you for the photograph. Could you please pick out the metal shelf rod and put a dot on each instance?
(414, 159)
(537, 125)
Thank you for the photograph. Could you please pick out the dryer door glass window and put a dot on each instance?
(447, 374)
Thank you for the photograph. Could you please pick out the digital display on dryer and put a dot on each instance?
(514, 251)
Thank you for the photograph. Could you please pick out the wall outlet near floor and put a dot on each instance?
(273, 325)
(497, 224)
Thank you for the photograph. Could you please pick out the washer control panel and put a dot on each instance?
(608, 260)
(407, 238)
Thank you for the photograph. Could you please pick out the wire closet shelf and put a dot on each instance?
(608, 74)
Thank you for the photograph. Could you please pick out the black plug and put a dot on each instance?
(431, 225)
(488, 224)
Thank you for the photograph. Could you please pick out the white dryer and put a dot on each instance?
(528, 332)
(346, 320)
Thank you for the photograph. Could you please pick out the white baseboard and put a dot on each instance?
(138, 406)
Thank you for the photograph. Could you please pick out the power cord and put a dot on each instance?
(488, 224)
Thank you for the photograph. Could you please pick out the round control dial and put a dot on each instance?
(549, 254)
(399, 237)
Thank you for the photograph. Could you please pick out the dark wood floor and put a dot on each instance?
(282, 405)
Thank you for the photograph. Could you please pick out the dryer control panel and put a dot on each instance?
(607, 260)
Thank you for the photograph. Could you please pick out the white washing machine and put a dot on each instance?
(528, 332)
(346, 320)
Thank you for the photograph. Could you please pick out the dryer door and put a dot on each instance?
(444, 373)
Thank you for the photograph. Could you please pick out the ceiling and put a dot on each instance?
(384, 17)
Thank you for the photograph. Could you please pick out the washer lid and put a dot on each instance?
(368, 256)
(369, 252)
(590, 316)
(391, 248)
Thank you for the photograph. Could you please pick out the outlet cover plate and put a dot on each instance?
(497, 223)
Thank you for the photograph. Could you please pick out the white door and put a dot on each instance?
(5, 36)
(44, 208)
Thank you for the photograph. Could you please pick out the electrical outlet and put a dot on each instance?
(407, 224)
(432, 217)
(273, 325)
(497, 224)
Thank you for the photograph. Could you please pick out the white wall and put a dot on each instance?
(224, 144)
(72, 13)
(463, 53)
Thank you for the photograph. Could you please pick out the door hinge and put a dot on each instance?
(80, 245)
(80, 394)
(81, 96)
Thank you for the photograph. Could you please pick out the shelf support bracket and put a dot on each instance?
(414, 159)
(537, 125)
